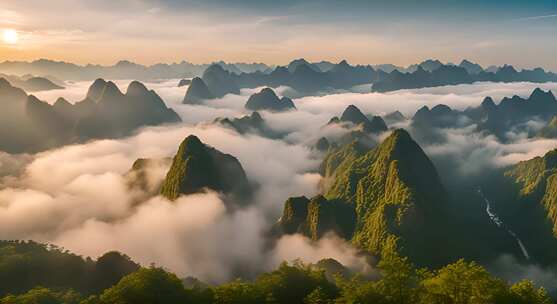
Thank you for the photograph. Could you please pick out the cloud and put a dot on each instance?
(537, 17)
(80, 191)
(470, 153)
(509, 268)
(297, 247)
(192, 236)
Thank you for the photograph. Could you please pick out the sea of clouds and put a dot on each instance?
(77, 196)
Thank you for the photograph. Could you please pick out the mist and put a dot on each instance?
(80, 192)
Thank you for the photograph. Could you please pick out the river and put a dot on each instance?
(497, 221)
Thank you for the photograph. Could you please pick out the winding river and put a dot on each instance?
(497, 221)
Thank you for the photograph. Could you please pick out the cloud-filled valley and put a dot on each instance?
(77, 196)
(278, 152)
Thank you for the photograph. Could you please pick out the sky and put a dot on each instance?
(275, 32)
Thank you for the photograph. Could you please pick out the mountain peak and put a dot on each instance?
(399, 137)
(377, 124)
(96, 89)
(136, 88)
(256, 116)
(354, 115)
(215, 68)
(343, 63)
(33, 99)
(538, 95)
(61, 102)
(396, 191)
(401, 147)
(197, 92)
(4, 83)
(488, 102)
(111, 92)
(266, 99)
(507, 69)
(197, 166)
(125, 63)
(191, 144)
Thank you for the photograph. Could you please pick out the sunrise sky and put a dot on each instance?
(275, 32)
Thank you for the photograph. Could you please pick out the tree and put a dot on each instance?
(317, 296)
(41, 295)
(110, 268)
(462, 283)
(292, 283)
(399, 277)
(524, 292)
(146, 286)
(238, 292)
(357, 291)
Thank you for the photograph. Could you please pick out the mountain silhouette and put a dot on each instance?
(266, 99)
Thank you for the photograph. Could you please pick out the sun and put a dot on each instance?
(10, 36)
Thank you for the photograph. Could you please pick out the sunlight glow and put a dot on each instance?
(10, 36)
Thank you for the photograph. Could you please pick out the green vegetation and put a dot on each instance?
(314, 218)
(396, 192)
(536, 180)
(550, 130)
(398, 282)
(197, 166)
(25, 265)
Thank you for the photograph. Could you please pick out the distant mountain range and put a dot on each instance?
(433, 74)
(28, 124)
(30, 83)
(300, 74)
(320, 78)
(122, 70)
(510, 114)
(303, 77)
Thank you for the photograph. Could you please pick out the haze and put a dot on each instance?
(274, 32)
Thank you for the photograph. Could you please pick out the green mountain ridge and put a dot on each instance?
(536, 180)
(524, 196)
(197, 166)
(395, 192)
(549, 130)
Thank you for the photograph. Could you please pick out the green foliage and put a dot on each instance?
(315, 217)
(399, 277)
(147, 285)
(197, 166)
(531, 175)
(462, 283)
(524, 292)
(399, 283)
(550, 130)
(358, 291)
(536, 180)
(294, 215)
(396, 192)
(25, 265)
(41, 295)
(293, 283)
(317, 296)
(238, 292)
